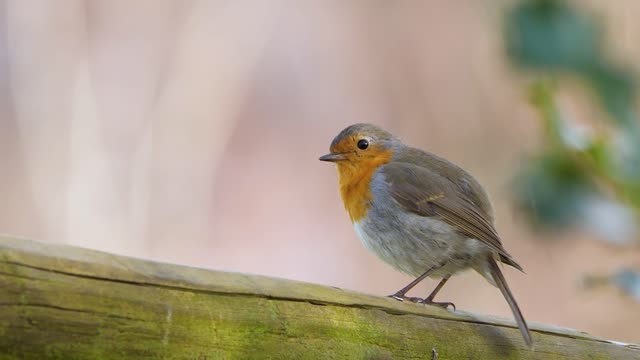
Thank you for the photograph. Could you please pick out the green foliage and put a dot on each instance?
(577, 164)
(552, 36)
(581, 176)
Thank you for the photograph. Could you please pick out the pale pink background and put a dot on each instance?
(189, 132)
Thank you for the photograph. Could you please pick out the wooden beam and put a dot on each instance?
(64, 302)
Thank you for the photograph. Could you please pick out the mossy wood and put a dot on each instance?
(63, 302)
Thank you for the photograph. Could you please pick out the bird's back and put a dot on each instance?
(426, 188)
(466, 185)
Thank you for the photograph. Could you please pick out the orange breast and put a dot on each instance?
(355, 184)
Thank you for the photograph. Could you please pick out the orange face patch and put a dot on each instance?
(355, 178)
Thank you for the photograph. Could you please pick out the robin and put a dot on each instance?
(419, 213)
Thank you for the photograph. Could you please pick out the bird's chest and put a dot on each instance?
(355, 190)
(411, 243)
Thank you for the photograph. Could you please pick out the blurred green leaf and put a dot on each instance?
(629, 281)
(626, 279)
(627, 147)
(551, 190)
(614, 86)
(551, 35)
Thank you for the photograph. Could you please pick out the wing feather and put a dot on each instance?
(428, 194)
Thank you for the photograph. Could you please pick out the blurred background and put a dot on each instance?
(189, 132)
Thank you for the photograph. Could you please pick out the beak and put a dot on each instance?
(333, 157)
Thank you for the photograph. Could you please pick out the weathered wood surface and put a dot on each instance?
(63, 302)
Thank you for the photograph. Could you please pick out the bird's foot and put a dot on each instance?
(401, 297)
(427, 301)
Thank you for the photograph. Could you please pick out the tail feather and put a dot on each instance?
(501, 283)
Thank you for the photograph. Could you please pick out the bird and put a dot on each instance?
(419, 213)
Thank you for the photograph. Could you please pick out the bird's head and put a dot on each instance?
(361, 146)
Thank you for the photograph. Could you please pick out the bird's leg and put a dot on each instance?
(401, 294)
(429, 299)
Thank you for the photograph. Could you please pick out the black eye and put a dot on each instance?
(363, 144)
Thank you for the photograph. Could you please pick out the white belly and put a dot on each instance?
(418, 244)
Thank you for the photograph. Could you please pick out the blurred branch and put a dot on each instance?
(626, 279)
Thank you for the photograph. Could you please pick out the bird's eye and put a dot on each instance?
(363, 144)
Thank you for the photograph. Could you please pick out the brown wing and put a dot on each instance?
(465, 183)
(426, 193)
